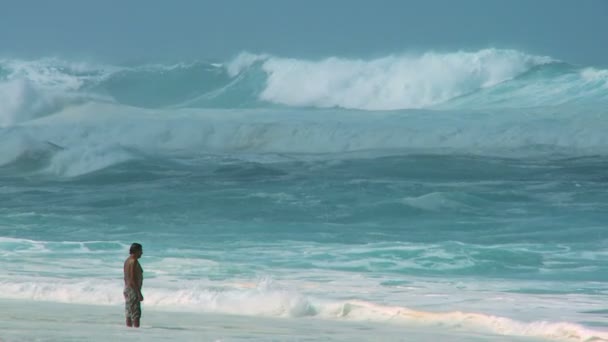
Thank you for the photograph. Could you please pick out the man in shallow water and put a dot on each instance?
(134, 277)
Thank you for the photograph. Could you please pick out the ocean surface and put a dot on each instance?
(435, 196)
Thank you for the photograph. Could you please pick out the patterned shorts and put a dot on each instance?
(132, 304)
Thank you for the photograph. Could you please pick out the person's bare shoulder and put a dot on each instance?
(130, 263)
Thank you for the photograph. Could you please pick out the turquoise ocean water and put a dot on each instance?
(457, 190)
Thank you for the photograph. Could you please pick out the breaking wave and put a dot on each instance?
(71, 118)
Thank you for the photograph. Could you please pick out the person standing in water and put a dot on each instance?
(134, 277)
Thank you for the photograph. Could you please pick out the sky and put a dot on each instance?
(121, 30)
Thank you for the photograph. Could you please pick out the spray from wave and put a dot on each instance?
(507, 78)
(393, 82)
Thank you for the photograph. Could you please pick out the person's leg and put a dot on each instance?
(136, 311)
(130, 300)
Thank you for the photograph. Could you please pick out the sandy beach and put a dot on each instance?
(46, 321)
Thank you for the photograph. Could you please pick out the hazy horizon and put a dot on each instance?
(115, 31)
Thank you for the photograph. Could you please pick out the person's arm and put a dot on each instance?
(139, 279)
(132, 279)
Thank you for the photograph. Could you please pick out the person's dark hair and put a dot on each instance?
(135, 247)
